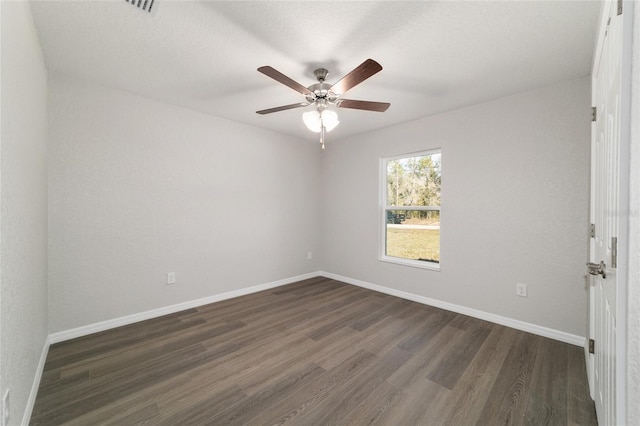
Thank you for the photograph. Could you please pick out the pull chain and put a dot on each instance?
(321, 132)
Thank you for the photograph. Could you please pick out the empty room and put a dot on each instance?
(319, 212)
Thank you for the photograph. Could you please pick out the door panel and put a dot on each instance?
(605, 213)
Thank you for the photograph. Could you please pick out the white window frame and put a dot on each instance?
(382, 256)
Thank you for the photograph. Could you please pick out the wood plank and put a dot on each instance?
(435, 322)
(148, 414)
(298, 405)
(251, 406)
(373, 407)
(107, 344)
(470, 394)
(510, 391)
(177, 393)
(547, 403)
(415, 405)
(203, 411)
(77, 400)
(423, 362)
(374, 316)
(449, 370)
(336, 322)
(350, 394)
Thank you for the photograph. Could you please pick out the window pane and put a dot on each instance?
(413, 235)
(414, 181)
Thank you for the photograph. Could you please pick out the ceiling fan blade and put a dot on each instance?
(366, 105)
(357, 76)
(282, 108)
(281, 78)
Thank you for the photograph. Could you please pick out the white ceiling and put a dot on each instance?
(437, 55)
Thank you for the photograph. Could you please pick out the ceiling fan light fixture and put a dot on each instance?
(314, 119)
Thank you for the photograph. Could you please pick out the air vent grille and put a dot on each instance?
(146, 5)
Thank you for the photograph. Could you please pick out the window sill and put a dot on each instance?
(432, 266)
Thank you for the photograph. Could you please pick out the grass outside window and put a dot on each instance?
(414, 244)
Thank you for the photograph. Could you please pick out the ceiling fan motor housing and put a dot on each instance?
(321, 94)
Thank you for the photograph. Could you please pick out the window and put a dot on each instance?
(410, 213)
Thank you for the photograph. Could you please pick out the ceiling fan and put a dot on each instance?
(321, 95)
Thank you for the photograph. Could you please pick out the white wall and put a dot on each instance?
(23, 213)
(515, 206)
(139, 188)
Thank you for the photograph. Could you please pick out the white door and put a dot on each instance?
(605, 213)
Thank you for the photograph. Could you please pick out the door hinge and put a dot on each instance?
(614, 252)
(619, 7)
(592, 346)
(594, 113)
(592, 230)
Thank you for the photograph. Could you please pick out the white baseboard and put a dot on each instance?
(497, 319)
(487, 316)
(36, 384)
(154, 313)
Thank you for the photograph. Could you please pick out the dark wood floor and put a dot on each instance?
(312, 353)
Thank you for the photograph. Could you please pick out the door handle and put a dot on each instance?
(597, 269)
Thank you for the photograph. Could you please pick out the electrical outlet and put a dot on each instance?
(521, 290)
(5, 409)
(309, 255)
(171, 277)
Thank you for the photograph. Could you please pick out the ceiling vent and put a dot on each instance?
(148, 6)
